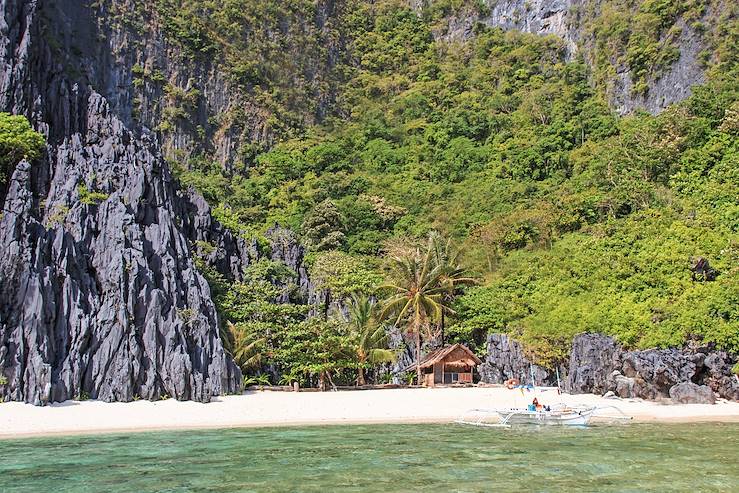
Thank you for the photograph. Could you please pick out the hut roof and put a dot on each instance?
(441, 354)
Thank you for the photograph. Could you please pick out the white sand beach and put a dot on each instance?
(271, 408)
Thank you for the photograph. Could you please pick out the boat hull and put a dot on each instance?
(522, 417)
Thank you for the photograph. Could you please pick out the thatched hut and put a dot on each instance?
(447, 365)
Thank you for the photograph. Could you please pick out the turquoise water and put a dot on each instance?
(387, 458)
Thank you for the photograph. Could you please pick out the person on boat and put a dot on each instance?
(535, 404)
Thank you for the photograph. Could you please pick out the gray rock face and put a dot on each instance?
(223, 118)
(672, 86)
(690, 393)
(287, 249)
(99, 295)
(537, 17)
(213, 243)
(564, 19)
(655, 371)
(505, 359)
(715, 371)
(593, 359)
(103, 298)
(598, 364)
(406, 350)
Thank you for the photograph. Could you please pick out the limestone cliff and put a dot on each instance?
(573, 22)
(99, 295)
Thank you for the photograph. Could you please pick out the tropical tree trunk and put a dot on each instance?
(418, 356)
(331, 381)
(442, 328)
(322, 381)
(360, 377)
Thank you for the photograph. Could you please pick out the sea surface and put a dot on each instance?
(381, 458)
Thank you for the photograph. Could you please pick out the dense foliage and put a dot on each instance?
(17, 141)
(269, 50)
(577, 219)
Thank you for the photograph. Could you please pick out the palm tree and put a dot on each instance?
(417, 296)
(371, 345)
(247, 350)
(447, 259)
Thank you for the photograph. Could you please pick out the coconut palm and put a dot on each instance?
(371, 339)
(447, 258)
(417, 296)
(247, 349)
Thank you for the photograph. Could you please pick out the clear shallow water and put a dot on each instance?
(387, 458)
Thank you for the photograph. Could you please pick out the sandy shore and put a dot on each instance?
(313, 408)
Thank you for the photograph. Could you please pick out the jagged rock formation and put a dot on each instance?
(193, 100)
(670, 87)
(100, 295)
(506, 359)
(286, 248)
(593, 359)
(598, 364)
(213, 243)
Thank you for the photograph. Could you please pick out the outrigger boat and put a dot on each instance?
(557, 414)
(577, 416)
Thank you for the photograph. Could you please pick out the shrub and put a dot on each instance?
(89, 197)
(17, 141)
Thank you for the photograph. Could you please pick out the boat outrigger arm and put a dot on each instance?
(481, 415)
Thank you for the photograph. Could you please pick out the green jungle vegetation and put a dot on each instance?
(17, 141)
(569, 218)
(471, 187)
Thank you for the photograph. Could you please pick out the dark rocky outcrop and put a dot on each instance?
(598, 364)
(702, 270)
(216, 245)
(714, 368)
(286, 248)
(690, 393)
(506, 359)
(593, 359)
(102, 297)
(654, 371)
(99, 293)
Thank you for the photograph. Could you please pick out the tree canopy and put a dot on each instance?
(17, 141)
